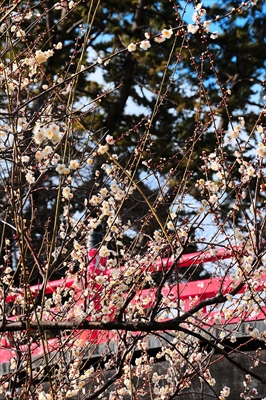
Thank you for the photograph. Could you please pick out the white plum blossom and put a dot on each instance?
(42, 56)
(58, 46)
(74, 164)
(66, 193)
(25, 159)
(62, 169)
(159, 39)
(109, 139)
(238, 234)
(145, 45)
(261, 150)
(198, 6)
(167, 33)
(30, 177)
(131, 47)
(102, 149)
(207, 25)
(214, 35)
(192, 28)
(224, 393)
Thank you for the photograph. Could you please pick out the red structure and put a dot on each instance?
(188, 293)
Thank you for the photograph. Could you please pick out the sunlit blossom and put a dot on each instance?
(261, 150)
(145, 45)
(102, 149)
(71, 4)
(207, 25)
(25, 159)
(192, 28)
(30, 177)
(167, 33)
(131, 47)
(109, 139)
(74, 164)
(42, 56)
(60, 168)
(66, 193)
(214, 35)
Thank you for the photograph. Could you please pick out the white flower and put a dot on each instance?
(198, 6)
(167, 33)
(261, 150)
(201, 209)
(66, 193)
(39, 155)
(145, 45)
(225, 392)
(99, 60)
(235, 133)
(3, 27)
(55, 159)
(103, 149)
(214, 35)
(13, 363)
(42, 56)
(238, 234)
(131, 47)
(105, 310)
(61, 168)
(109, 139)
(251, 171)
(105, 319)
(159, 39)
(25, 159)
(20, 33)
(30, 178)
(47, 150)
(29, 15)
(100, 279)
(58, 46)
(213, 199)
(170, 225)
(95, 200)
(104, 252)
(71, 4)
(38, 134)
(74, 164)
(202, 12)
(192, 28)
(207, 25)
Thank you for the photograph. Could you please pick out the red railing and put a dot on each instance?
(189, 294)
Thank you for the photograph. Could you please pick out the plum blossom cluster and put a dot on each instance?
(197, 22)
(145, 44)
